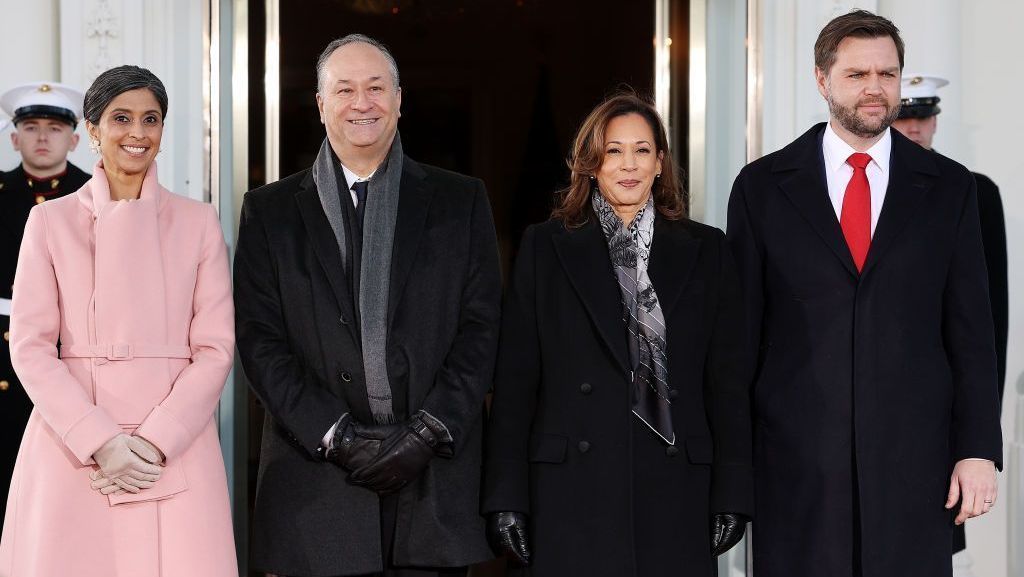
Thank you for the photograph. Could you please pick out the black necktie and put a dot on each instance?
(360, 189)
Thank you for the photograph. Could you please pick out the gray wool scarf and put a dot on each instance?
(378, 235)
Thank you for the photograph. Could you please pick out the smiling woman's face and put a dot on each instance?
(629, 165)
(129, 132)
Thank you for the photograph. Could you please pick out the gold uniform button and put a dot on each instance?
(4, 385)
(1, 186)
(7, 336)
(40, 198)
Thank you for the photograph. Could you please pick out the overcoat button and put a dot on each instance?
(7, 336)
(583, 446)
(585, 388)
(346, 376)
(672, 451)
(4, 385)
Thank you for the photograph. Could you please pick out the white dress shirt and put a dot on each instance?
(838, 173)
(352, 178)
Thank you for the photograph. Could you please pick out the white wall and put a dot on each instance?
(72, 41)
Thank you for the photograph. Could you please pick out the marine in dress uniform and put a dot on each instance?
(918, 118)
(43, 174)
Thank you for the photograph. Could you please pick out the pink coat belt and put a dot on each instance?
(125, 351)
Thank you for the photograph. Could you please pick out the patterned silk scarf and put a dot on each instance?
(630, 251)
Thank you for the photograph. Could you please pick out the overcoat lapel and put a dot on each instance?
(807, 190)
(583, 253)
(673, 257)
(414, 199)
(325, 246)
(912, 174)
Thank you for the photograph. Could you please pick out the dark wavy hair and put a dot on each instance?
(573, 203)
(119, 80)
(855, 24)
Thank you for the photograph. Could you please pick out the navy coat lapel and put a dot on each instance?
(325, 246)
(583, 253)
(808, 191)
(673, 257)
(414, 199)
(912, 173)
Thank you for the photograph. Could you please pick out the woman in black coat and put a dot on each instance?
(619, 441)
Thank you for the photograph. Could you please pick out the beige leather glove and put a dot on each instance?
(148, 451)
(125, 468)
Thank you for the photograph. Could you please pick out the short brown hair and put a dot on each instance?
(588, 153)
(856, 24)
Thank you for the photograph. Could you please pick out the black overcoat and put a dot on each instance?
(871, 386)
(301, 353)
(16, 200)
(605, 496)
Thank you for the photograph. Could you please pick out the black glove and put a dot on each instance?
(508, 536)
(354, 445)
(404, 455)
(726, 531)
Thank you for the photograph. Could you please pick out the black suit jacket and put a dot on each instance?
(16, 200)
(301, 352)
(871, 386)
(605, 496)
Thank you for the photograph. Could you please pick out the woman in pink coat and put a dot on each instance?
(122, 333)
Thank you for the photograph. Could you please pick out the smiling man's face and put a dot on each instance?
(359, 102)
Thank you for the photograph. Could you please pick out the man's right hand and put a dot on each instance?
(508, 536)
(355, 445)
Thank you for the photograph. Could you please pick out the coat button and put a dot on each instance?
(583, 446)
(672, 450)
(672, 393)
(4, 385)
(346, 376)
(7, 336)
(40, 198)
(585, 388)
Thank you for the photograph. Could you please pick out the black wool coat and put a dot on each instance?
(16, 200)
(300, 349)
(605, 496)
(870, 386)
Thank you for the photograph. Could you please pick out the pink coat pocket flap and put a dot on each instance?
(172, 481)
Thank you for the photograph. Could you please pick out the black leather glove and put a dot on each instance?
(508, 535)
(404, 455)
(726, 531)
(354, 445)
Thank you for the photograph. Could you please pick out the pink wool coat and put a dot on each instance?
(137, 293)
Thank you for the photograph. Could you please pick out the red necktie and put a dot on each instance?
(856, 216)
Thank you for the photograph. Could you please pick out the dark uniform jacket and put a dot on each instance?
(870, 386)
(300, 347)
(605, 496)
(18, 194)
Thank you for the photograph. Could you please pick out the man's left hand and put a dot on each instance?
(403, 455)
(973, 484)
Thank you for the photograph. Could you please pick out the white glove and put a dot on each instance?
(124, 467)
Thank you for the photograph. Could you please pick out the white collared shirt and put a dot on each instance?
(838, 173)
(352, 178)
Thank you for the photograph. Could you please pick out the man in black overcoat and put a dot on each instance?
(875, 412)
(367, 295)
(44, 116)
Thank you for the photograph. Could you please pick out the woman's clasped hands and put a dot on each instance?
(127, 463)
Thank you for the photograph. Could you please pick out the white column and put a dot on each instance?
(791, 103)
(164, 36)
(932, 32)
(29, 54)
